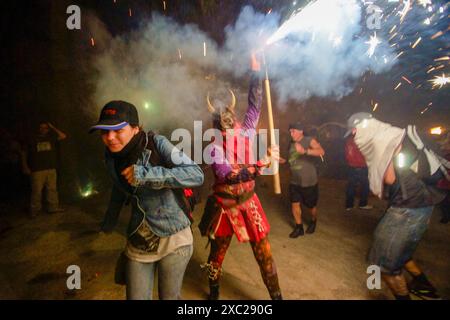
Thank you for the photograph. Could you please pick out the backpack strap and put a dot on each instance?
(157, 160)
(433, 161)
(155, 157)
(445, 165)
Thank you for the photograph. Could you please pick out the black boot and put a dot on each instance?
(298, 231)
(213, 292)
(421, 287)
(311, 227)
(398, 297)
(277, 297)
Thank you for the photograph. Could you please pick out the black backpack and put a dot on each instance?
(186, 198)
(421, 159)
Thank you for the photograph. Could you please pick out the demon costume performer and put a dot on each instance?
(234, 207)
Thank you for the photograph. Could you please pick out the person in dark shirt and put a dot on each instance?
(411, 197)
(304, 182)
(40, 161)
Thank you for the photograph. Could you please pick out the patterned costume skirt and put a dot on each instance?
(244, 218)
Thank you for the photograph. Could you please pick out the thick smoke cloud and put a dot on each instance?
(162, 67)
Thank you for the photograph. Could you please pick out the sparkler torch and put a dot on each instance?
(274, 163)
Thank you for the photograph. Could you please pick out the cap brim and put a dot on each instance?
(108, 127)
(349, 132)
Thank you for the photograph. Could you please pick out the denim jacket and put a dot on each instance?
(153, 198)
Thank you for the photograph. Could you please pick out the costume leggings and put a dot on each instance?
(262, 253)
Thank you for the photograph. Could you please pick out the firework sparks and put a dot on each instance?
(399, 55)
(373, 43)
(416, 43)
(405, 10)
(374, 105)
(424, 3)
(303, 19)
(436, 35)
(393, 36)
(426, 109)
(406, 79)
(439, 81)
(446, 58)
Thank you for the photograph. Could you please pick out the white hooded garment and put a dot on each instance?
(377, 141)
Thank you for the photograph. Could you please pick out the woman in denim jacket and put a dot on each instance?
(159, 235)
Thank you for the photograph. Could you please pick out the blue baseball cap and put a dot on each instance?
(115, 115)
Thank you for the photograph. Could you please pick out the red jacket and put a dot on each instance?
(353, 156)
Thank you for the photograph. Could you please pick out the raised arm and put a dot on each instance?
(254, 96)
(60, 135)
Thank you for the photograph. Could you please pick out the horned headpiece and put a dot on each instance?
(225, 118)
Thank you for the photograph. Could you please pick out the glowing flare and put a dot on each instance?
(436, 131)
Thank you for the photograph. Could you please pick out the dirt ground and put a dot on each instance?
(330, 264)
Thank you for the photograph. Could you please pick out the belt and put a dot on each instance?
(239, 199)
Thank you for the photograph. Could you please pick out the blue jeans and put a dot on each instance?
(355, 176)
(171, 268)
(397, 236)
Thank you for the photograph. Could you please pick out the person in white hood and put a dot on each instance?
(386, 150)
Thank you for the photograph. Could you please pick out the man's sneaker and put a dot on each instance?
(348, 209)
(298, 231)
(366, 207)
(423, 291)
(425, 294)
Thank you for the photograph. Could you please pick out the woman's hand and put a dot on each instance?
(128, 174)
